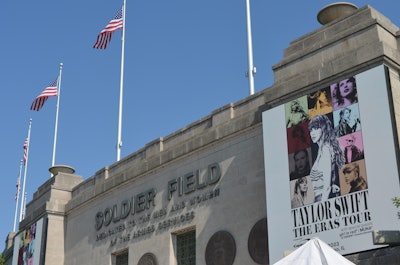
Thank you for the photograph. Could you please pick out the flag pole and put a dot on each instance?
(252, 70)
(17, 195)
(121, 86)
(22, 210)
(57, 108)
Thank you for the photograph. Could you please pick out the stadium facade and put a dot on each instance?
(220, 190)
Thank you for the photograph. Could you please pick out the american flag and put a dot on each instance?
(25, 149)
(18, 189)
(105, 35)
(49, 91)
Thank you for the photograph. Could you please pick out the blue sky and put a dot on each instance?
(183, 59)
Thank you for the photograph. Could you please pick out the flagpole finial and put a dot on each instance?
(61, 65)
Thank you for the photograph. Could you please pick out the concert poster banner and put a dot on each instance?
(27, 245)
(331, 166)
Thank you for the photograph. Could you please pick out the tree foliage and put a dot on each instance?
(2, 260)
(396, 202)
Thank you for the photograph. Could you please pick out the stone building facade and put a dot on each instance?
(197, 196)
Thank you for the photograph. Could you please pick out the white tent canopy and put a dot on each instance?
(314, 252)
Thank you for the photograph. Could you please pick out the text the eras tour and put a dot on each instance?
(338, 213)
(143, 201)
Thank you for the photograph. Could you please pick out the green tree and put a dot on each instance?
(396, 202)
(2, 261)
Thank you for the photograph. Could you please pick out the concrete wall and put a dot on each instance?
(237, 207)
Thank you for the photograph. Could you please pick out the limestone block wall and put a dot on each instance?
(236, 205)
(54, 253)
(52, 196)
(222, 123)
